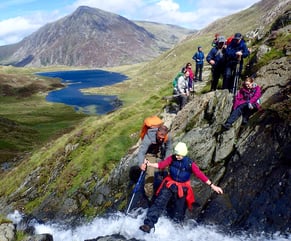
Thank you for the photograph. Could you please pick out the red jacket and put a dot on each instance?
(190, 199)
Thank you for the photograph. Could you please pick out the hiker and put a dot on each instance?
(175, 81)
(236, 51)
(155, 145)
(191, 77)
(176, 185)
(183, 89)
(216, 58)
(198, 57)
(247, 102)
(215, 40)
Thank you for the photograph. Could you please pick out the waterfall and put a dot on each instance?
(128, 226)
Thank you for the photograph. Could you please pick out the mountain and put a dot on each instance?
(166, 35)
(94, 38)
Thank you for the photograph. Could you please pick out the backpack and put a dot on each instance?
(175, 81)
(229, 39)
(151, 122)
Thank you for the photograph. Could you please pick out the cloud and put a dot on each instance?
(193, 14)
(168, 6)
(116, 6)
(12, 30)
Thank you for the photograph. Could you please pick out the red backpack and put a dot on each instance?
(229, 40)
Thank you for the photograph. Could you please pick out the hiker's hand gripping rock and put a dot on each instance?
(216, 189)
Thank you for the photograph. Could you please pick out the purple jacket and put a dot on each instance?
(251, 95)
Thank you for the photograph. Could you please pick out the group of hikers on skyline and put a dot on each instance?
(226, 60)
(168, 190)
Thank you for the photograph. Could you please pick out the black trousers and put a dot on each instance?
(230, 74)
(198, 74)
(216, 73)
(177, 206)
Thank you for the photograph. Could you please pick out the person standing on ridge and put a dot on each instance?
(216, 58)
(176, 185)
(236, 51)
(215, 40)
(198, 57)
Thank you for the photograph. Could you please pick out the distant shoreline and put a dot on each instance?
(75, 80)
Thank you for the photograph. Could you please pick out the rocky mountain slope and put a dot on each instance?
(94, 38)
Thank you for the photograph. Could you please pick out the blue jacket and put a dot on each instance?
(234, 47)
(218, 55)
(198, 57)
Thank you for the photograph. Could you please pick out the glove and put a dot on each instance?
(250, 106)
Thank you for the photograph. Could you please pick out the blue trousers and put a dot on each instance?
(243, 110)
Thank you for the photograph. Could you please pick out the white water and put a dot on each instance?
(128, 226)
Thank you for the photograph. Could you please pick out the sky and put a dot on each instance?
(20, 18)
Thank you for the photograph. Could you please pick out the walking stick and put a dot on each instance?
(136, 188)
(236, 77)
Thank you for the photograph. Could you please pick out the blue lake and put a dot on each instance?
(80, 79)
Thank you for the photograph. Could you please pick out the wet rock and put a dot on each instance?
(115, 237)
(40, 237)
(7, 232)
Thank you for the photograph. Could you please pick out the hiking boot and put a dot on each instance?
(145, 228)
(244, 121)
(226, 126)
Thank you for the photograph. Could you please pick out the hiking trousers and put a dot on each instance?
(177, 207)
(216, 73)
(149, 178)
(243, 110)
(183, 99)
(230, 75)
(198, 72)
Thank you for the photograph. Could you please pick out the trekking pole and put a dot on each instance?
(236, 77)
(136, 188)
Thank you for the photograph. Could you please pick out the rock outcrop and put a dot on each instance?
(251, 162)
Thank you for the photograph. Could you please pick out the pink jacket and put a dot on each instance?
(251, 95)
(191, 73)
